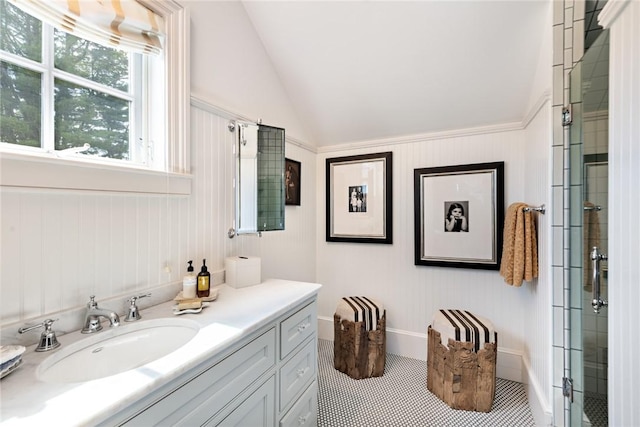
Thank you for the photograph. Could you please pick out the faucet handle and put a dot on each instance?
(48, 340)
(138, 297)
(92, 302)
(134, 313)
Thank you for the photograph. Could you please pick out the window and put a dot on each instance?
(68, 100)
(63, 93)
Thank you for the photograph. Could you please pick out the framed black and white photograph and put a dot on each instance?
(291, 182)
(459, 215)
(359, 198)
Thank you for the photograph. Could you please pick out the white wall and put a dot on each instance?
(537, 311)
(59, 247)
(624, 233)
(411, 294)
(285, 254)
(230, 68)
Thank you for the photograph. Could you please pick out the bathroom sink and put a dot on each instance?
(116, 350)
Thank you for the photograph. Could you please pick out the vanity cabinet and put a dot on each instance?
(265, 379)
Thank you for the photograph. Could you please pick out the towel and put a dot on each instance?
(591, 238)
(520, 246)
(530, 247)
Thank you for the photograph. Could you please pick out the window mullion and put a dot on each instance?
(20, 61)
(48, 87)
(137, 136)
(90, 84)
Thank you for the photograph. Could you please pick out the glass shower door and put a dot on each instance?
(589, 245)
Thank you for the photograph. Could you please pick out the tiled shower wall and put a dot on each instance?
(568, 48)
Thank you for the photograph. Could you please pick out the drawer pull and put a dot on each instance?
(302, 420)
(301, 372)
(303, 327)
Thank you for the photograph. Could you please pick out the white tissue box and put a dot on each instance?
(241, 271)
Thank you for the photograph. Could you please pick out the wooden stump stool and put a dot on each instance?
(462, 374)
(359, 346)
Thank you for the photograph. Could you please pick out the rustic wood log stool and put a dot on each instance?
(359, 346)
(462, 374)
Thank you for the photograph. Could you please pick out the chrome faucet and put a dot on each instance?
(134, 314)
(48, 340)
(93, 315)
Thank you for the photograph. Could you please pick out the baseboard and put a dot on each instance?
(414, 345)
(540, 407)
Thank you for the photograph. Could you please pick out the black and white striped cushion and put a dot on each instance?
(462, 325)
(361, 309)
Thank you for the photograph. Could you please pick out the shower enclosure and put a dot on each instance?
(589, 225)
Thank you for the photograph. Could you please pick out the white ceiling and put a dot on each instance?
(364, 70)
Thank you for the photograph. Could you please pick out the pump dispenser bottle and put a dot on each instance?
(203, 281)
(189, 283)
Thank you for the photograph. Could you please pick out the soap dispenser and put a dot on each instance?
(203, 281)
(189, 283)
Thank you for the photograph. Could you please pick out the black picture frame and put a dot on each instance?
(292, 174)
(459, 215)
(359, 198)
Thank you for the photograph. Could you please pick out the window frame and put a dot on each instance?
(49, 171)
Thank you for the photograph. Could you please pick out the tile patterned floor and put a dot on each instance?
(400, 398)
(595, 408)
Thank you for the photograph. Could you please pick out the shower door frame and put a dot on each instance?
(578, 302)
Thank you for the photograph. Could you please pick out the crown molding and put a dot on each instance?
(611, 11)
(535, 109)
(228, 114)
(423, 137)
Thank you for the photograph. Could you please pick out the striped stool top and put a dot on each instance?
(361, 309)
(461, 325)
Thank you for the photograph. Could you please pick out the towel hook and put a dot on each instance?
(540, 209)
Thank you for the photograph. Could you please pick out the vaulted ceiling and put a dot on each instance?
(365, 70)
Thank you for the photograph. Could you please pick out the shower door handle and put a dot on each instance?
(596, 257)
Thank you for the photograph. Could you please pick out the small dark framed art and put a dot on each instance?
(459, 215)
(359, 198)
(292, 182)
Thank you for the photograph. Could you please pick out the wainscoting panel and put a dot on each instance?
(411, 294)
(59, 247)
(623, 18)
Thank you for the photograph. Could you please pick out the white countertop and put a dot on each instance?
(26, 401)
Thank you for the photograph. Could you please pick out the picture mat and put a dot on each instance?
(477, 244)
(351, 224)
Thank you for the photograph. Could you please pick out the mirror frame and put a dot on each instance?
(259, 178)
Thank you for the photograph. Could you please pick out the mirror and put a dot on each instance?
(259, 178)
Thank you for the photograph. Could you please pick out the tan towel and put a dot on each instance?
(520, 248)
(530, 247)
(591, 238)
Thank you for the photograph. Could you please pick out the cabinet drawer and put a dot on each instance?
(201, 398)
(305, 411)
(297, 373)
(296, 328)
(257, 410)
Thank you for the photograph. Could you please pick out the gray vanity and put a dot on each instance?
(253, 362)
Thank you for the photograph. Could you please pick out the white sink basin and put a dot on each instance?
(116, 350)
